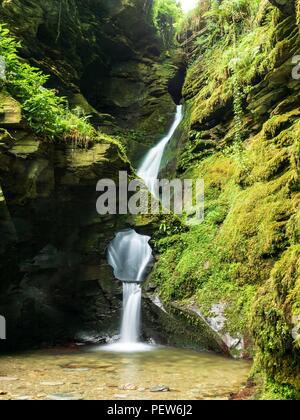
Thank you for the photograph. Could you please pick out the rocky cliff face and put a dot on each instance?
(54, 277)
(105, 56)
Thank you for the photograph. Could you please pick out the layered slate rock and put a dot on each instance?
(54, 279)
(10, 111)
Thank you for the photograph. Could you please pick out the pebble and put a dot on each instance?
(64, 397)
(160, 388)
(128, 387)
(50, 383)
(111, 385)
(3, 393)
(120, 396)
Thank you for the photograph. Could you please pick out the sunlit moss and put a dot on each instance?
(272, 321)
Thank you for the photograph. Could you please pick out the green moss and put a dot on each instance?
(251, 218)
(192, 264)
(278, 123)
(246, 253)
(273, 321)
(274, 391)
(241, 56)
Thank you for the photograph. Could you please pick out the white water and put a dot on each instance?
(149, 169)
(132, 298)
(130, 255)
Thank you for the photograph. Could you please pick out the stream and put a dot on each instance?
(151, 165)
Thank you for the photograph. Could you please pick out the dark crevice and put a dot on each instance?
(176, 84)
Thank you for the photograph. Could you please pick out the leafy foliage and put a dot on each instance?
(166, 15)
(230, 17)
(46, 113)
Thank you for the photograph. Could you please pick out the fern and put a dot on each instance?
(45, 112)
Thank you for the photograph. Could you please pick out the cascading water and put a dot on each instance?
(130, 254)
(149, 169)
(132, 298)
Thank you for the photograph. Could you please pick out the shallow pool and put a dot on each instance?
(86, 373)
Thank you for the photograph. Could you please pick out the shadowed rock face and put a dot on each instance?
(286, 6)
(54, 278)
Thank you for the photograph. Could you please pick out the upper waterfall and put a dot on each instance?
(150, 167)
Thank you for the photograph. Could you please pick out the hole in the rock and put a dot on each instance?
(176, 84)
(91, 82)
(154, 51)
(45, 35)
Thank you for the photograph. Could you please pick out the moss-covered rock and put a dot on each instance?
(276, 323)
(180, 326)
(243, 139)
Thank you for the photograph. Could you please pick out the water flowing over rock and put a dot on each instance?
(151, 165)
(110, 63)
(130, 255)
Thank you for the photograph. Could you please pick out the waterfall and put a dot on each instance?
(149, 169)
(132, 298)
(130, 254)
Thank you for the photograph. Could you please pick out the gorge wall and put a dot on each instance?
(105, 56)
(239, 270)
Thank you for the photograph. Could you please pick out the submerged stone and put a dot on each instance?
(160, 388)
(128, 387)
(52, 383)
(64, 397)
